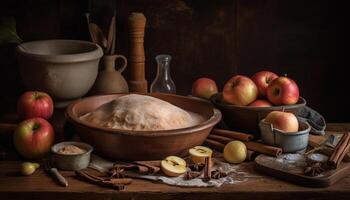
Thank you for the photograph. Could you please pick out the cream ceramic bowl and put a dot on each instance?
(71, 161)
(65, 69)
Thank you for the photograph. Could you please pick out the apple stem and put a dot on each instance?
(35, 94)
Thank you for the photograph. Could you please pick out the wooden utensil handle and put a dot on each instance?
(58, 176)
(7, 127)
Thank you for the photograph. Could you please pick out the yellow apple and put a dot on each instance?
(199, 153)
(173, 166)
(235, 152)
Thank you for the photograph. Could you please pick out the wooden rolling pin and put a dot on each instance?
(137, 81)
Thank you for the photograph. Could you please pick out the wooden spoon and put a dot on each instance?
(97, 35)
(110, 36)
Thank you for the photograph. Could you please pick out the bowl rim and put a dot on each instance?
(95, 53)
(306, 129)
(88, 150)
(214, 99)
(213, 120)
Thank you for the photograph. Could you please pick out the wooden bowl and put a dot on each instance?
(131, 145)
(246, 119)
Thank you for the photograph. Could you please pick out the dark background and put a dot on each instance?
(212, 38)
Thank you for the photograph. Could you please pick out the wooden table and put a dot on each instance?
(41, 186)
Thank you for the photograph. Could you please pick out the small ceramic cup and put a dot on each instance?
(71, 161)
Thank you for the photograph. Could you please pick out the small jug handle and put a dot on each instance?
(125, 62)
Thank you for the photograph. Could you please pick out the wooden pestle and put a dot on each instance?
(136, 79)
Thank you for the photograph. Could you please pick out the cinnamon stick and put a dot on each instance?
(207, 168)
(214, 144)
(118, 181)
(263, 148)
(339, 151)
(253, 146)
(143, 167)
(92, 176)
(153, 166)
(219, 138)
(232, 134)
(83, 175)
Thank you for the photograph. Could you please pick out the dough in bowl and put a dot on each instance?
(141, 112)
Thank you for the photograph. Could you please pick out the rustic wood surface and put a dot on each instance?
(41, 186)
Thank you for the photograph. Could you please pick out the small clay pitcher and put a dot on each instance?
(110, 79)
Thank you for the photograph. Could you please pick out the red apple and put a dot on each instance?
(33, 138)
(240, 90)
(204, 88)
(260, 103)
(283, 91)
(284, 121)
(262, 79)
(35, 104)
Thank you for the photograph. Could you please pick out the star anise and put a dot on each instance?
(217, 174)
(117, 172)
(191, 175)
(196, 167)
(314, 169)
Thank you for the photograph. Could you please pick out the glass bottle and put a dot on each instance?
(163, 82)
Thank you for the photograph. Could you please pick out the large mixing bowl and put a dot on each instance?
(65, 69)
(245, 118)
(142, 145)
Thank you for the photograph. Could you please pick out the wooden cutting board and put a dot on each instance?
(271, 166)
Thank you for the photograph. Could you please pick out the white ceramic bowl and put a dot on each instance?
(71, 161)
(65, 69)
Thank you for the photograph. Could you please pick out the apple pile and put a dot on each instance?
(263, 89)
(34, 136)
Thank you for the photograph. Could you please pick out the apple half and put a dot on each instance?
(199, 153)
(173, 166)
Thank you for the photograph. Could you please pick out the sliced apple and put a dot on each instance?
(199, 153)
(173, 166)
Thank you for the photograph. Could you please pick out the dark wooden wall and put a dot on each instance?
(209, 38)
